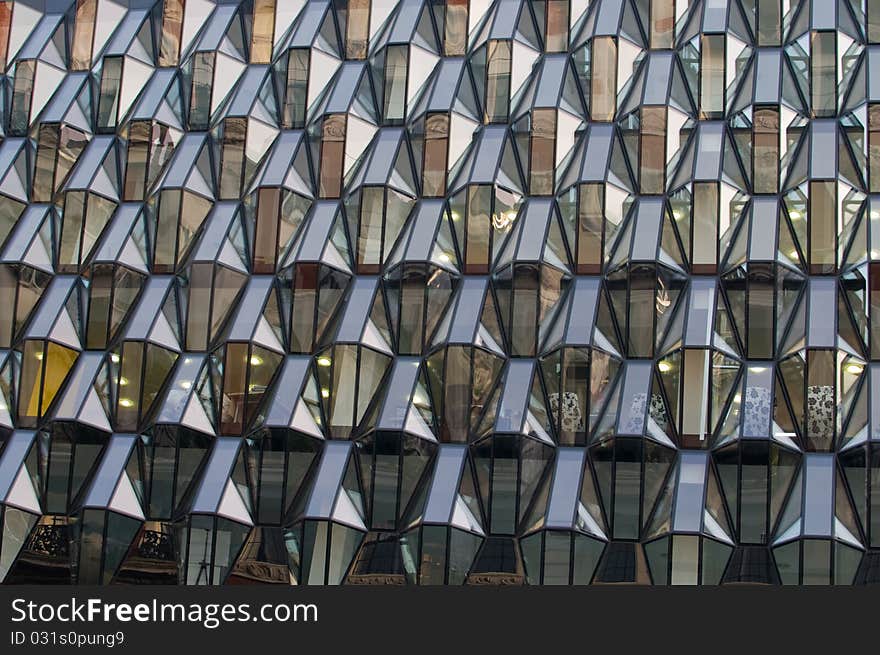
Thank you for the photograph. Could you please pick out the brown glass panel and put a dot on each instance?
(497, 81)
(305, 293)
(712, 75)
(332, 155)
(704, 244)
(71, 231)
(603, 78)
(653, 149)
(557, 26)
(765, 139)
(823, 227)
(874, 147)
(8, 288)
(823, 71)
(455, 28)
(543, 151)
(436, 153)
(138, 153)
(394, 104)
(264, 31)
(590, 229)
(266, 236)
(662, 23)
(5, 24)
(83, 33)
(232, 166)
(357, 29)
(642, 303)
(202, 83)
(524, 309)
(478, 230)
(412, 309)
(199, 305)
(31, 382)
(172, 31)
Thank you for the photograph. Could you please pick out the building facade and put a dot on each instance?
(440, 292)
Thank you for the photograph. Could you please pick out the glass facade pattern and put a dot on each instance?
(440, 292)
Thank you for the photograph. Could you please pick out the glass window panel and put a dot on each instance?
(296, 96)
(266, 237)
(172, 30)
(455, 28)
(264, 28)
(108, 98)
(557, 26)
(603, 78)
(662, 23)
(332, 153)
(653, 149)
(232, 166)
(202, 82)
(83, 31)
(823, 227)
(765, 139)
(823, 69)
(769, 22)
(357, 29)
(396, 57)
(22, 90)
(712, 75)
(497, 81)
(543, 141)
(138, 152)
(704, 245)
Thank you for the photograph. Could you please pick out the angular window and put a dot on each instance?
(823, 73)
(590, 234)
(264, 30)
(44, 368)
(662, 23)
(436, 154)
(58, 148)
(108, 98)
(704, 230)
(874, 148)
(497, 81)
(202, 83)
(22, 93)
(769, 15)
(317, 292)
(332, 155)
(765, 150)
(357, 29)
(232, 158)
(822, 226)
(556, 26)
(5, 25)
(83, 33)
(296, 92)
(455, 28)
(874, 290)
(172, 32)
(394, 105)
(603, 78)
(712, 55)
(139, 136)
(872, 11)
(543, 152)
(652, 156)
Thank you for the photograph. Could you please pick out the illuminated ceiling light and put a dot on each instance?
(419, 399)
(664, 366)
(39, 355)
(795, 215)
(677, 215)
(854, 368)
(445, 258)
(186, 384)
(455, 215)
(737, 399)
(123, 382)
(256, 360)
(324, 361)
(125, 402)
(793, 254)
(325, 392)
(114, 358)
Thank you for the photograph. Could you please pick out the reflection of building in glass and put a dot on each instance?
(440, 292)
